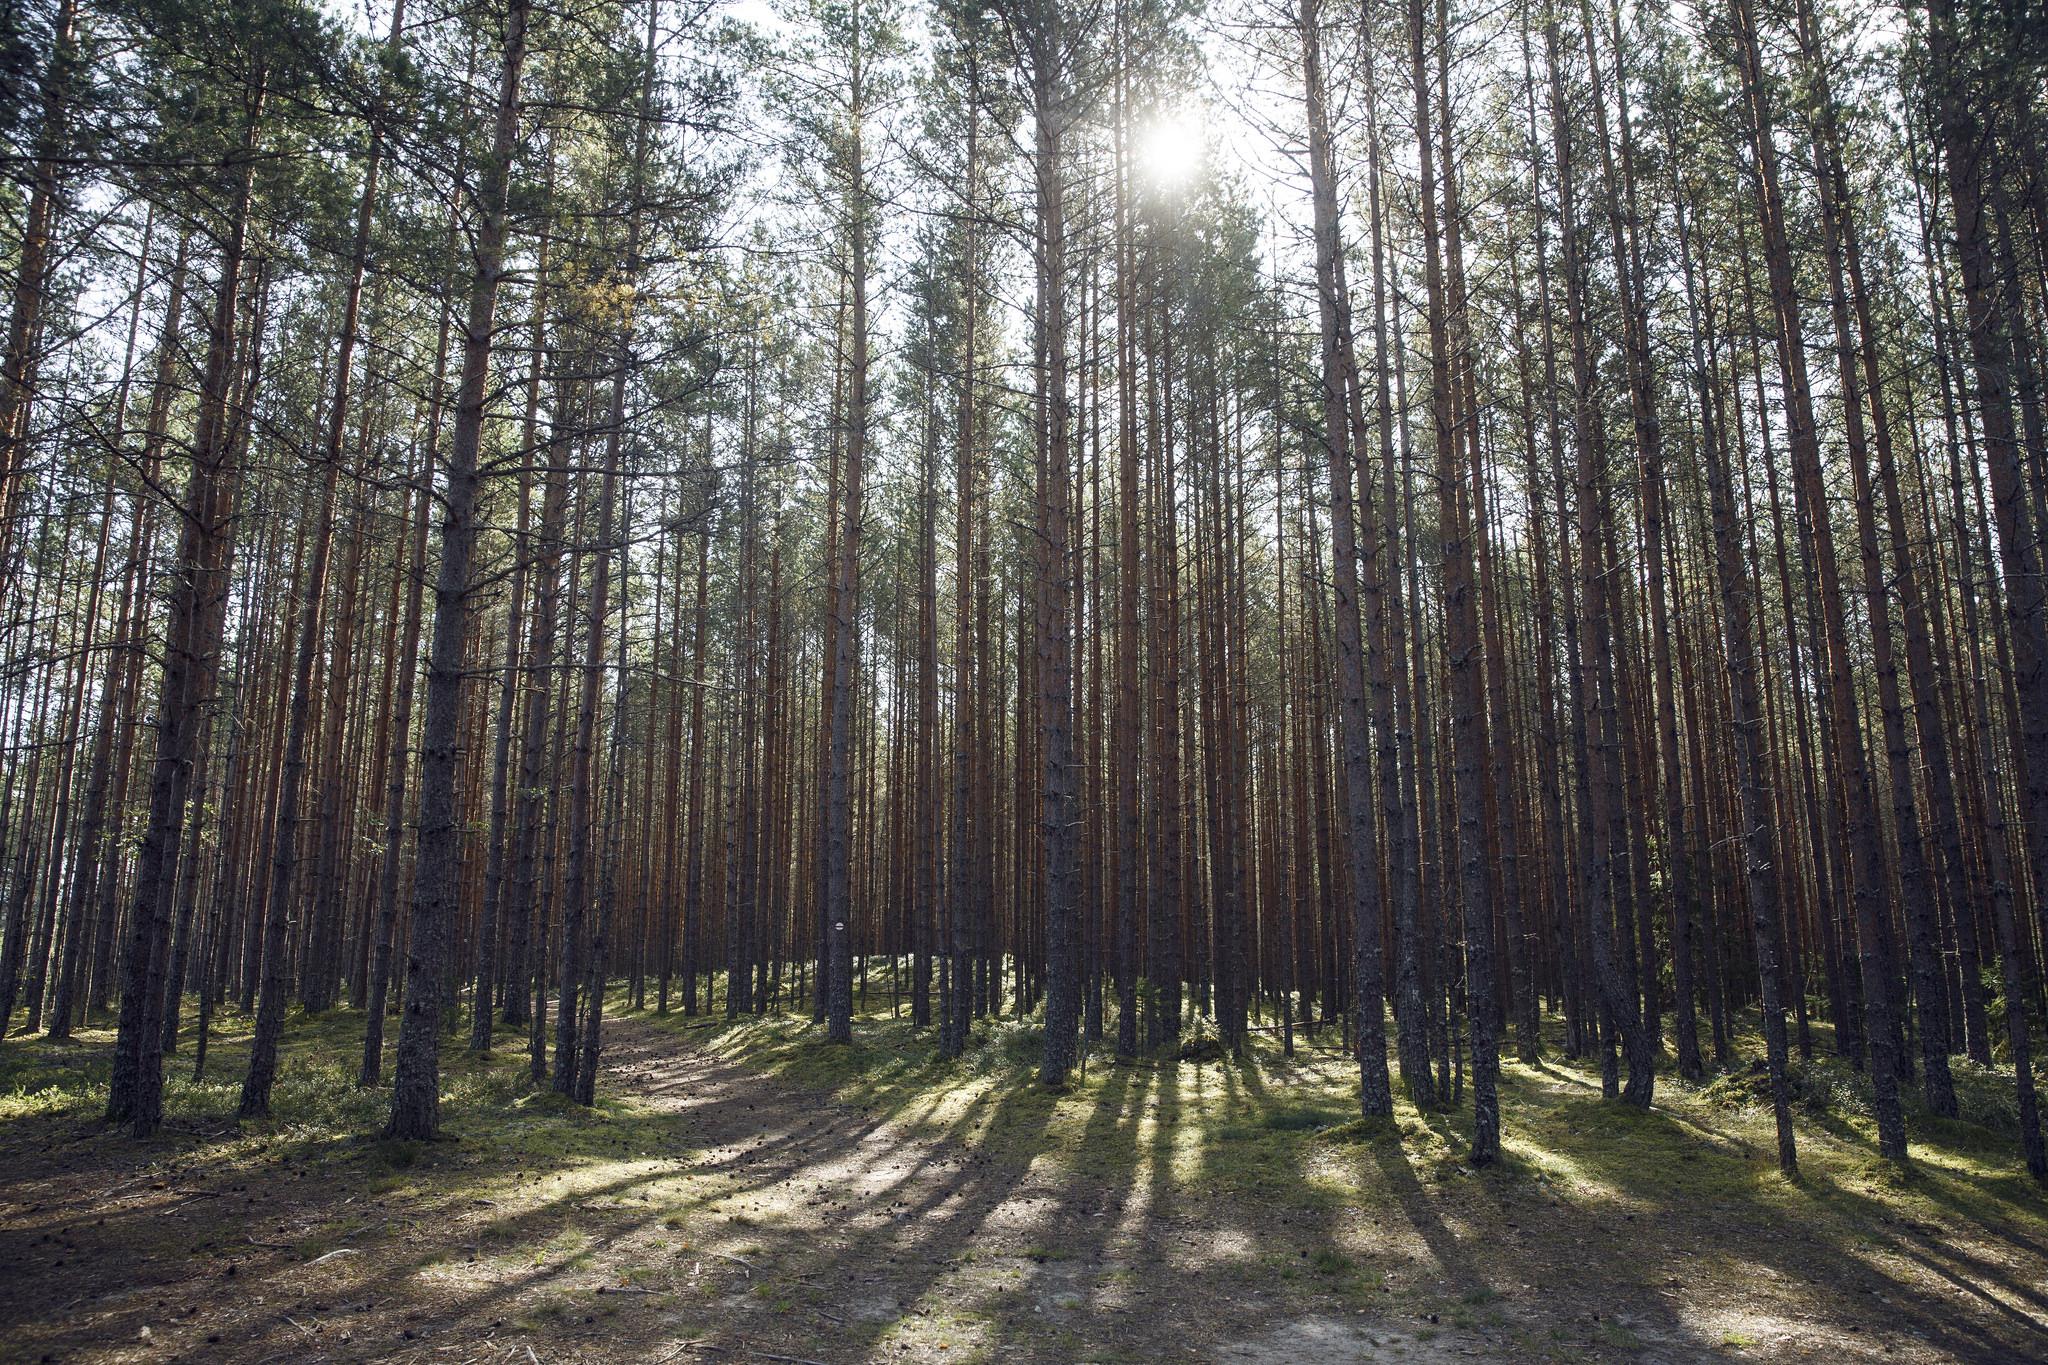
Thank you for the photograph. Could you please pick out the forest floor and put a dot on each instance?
(744, 1193)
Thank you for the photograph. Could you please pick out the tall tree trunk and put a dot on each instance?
(1461, 627)
(1752, 783)
(262, 1071)
(1868, 879)
(32, 275)
(197, 612)
(1048, 54)
(1589, 640)
(837, 910)
(1375, 1092)
(415, 1095)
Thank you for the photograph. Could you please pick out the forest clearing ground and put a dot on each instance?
(743, 1192)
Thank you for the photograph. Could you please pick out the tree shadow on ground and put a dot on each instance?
(745, 1188)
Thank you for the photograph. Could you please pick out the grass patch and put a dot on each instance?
(1328, 1262)
(1299, 1120)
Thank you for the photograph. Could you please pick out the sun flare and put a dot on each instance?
(1169, 150)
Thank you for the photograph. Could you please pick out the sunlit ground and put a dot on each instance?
(747, 1191)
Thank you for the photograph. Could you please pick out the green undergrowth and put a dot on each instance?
(1286, 1132)
(499, 1131)
(1829, 1088)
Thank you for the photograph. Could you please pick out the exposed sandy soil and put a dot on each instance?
(715, 1211)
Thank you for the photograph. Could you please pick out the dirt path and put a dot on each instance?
(718, 1215)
